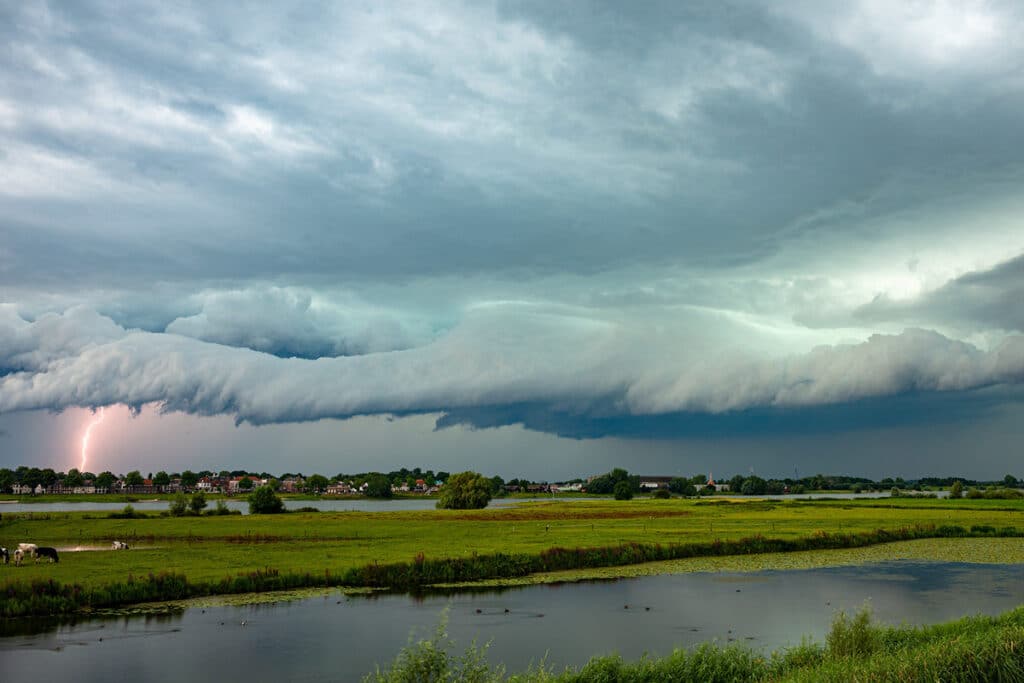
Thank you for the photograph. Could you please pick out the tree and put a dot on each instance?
(133, 478)
(245, 483)
(465, 491)
(754, 486)
(178, 504)
(6, 480)
(378, 486)
(162, 479)
(497, 484)
(263, 501)
(956, 490)
(73, 478)
(682, 486)
(317, 483)
(662, 493)
(198, 502)
(736, 483)
(105, 480)
(1010, 481)
(623, 491)
(189, 479)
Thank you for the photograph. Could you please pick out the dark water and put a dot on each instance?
(331, 637)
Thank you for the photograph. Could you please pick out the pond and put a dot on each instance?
(334, 637)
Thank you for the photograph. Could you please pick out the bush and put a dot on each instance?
(198, 502)
(662, 494)
(263, 501)
(127, 513)
(178, 505)
(623, 491)
(853, 636)
(465, 491)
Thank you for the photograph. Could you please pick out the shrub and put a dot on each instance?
(198, 502)
(178, 505)
(127, 513)
(263, 501)
(623, 491)
(662, 494)
(853, 636)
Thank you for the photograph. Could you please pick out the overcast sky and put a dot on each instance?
(537, 239)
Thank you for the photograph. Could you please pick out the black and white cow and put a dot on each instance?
(6, 556)
(120, 545)
(45, 551)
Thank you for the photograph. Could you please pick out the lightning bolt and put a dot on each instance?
(97, 418)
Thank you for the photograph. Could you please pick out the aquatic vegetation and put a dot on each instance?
(971, 649)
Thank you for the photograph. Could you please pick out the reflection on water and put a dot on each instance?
(334, 637)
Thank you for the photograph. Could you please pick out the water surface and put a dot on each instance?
(332, 637)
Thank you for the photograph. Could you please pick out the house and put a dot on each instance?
(650, 483)
(339, 488)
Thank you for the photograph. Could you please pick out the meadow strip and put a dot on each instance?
(42, 597)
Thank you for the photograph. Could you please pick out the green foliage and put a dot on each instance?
(189, 479)
(263, 501)
(431, 660)
(133, 478)
(73, 478)
(178, 505)
(662, 494)
(754, 486)
(956, 490)
(317, 483)
(245, 484)
(683, 487)
(128, 512)
(378, 486)
(220, 509)
(197, 502)
(161, 479)
(465, 491)
(623, 491)
(852, 636)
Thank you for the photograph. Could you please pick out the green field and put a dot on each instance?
(205, 549)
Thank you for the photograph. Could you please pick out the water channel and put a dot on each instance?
(334, 637)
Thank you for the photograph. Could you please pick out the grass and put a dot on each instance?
(856, 649)
(402, 548)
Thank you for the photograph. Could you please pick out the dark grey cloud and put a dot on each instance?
(601, 219)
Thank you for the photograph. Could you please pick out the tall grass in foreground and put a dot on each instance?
(856, 649)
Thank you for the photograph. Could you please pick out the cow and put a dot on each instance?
(18, 554)
(119, 545)
(28, 549)
(5, 555)
(44, 551)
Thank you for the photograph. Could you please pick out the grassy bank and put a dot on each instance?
(174, 558)
(971, 649)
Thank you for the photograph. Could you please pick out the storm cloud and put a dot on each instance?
(590, 219)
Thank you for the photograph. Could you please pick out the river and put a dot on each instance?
(334, 637)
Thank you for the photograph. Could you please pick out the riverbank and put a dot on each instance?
(856, 649)
(179, 558)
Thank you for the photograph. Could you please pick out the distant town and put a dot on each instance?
(33, 481)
